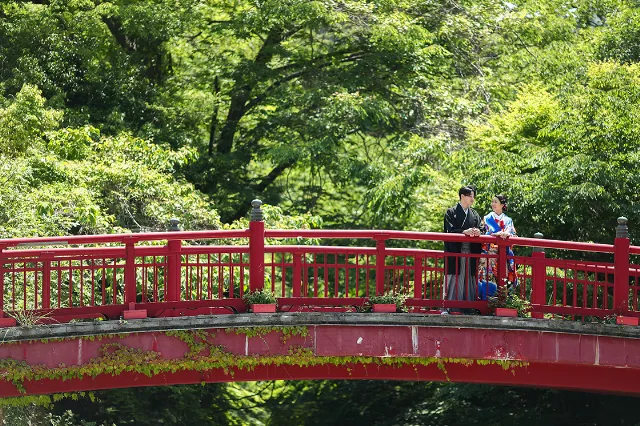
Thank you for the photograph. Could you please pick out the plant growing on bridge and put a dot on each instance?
(264, 296)
(504, 298)
(29, 319)
(397, 299)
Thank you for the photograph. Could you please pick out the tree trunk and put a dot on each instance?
(242, 91)
(214, 115)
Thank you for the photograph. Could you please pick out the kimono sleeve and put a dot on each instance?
(450, 222)
(510, 228)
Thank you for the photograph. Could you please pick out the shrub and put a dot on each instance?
(397, 299)
(259, 297)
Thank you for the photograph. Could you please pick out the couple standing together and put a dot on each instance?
(464, 273)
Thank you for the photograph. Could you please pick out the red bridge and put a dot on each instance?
(317, 334)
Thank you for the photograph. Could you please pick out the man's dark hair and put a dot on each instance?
(466, 190)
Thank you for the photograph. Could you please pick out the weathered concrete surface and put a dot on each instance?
(313, 318)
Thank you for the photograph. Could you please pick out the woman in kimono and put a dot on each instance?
(498, 224)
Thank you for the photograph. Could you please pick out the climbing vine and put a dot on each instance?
(43, 400)
(287, 332)
(204, 355)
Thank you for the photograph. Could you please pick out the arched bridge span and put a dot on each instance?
(243, 347)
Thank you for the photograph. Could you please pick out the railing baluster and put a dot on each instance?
(231, 276)
(305, 276)
(46, 280)
(297, 274)
(93, 276)
(326, 275)
(357, 274)
(346, 275)
(417, 276)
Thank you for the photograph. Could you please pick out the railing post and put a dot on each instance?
(621, 268)
(297, 274)
(417, 277)
(174, 247)
(502, 264)
(380, 259)
(46, 280)
(256, 247)
(2, 272)
(130, 273)
(538, 279)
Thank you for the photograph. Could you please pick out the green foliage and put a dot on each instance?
(263, 296)
(510, 299)
(397, 299)
(268, 92)
(275, 218)
(620, 39)
(75, 181)
(551, 154)
(212, 404)
(73, 143)
(28, 319)
(24, 121)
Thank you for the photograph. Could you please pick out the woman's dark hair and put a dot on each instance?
(503, 201)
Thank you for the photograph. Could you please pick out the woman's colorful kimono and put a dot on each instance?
(487, 273)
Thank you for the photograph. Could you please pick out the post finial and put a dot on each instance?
(256, 211)
(538, 249)
(622, 231)
(174, 224)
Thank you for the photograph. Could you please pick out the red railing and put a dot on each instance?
(188, 273)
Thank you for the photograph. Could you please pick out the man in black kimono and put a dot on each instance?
(460, 282)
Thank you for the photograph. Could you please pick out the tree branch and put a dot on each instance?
(261, 97)
(273, 175)
(316, 59)
(241, 209)
(118, 33)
